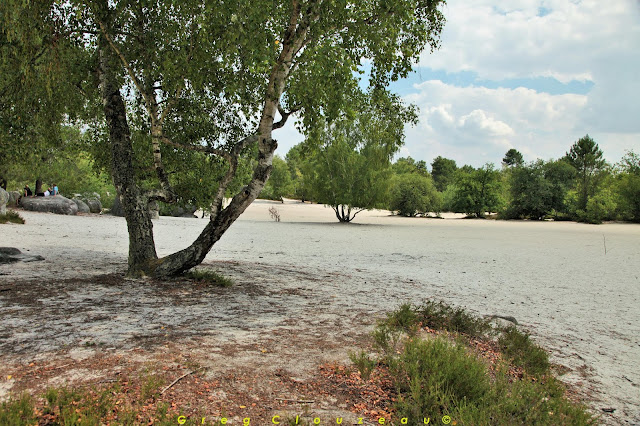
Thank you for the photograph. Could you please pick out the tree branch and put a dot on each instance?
(128, 68)
(285, 116)
(198, 148)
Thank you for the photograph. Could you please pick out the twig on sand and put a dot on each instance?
(299, 401)
(180, 378)
(604, 241)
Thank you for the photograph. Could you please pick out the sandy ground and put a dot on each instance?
(575, 287)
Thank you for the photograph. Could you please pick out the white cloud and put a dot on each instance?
(502, 40)
(475, 125)
(571, 40)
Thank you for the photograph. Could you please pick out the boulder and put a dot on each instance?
(14, 197)
(117, 209)
(95, 206)
(186, 211)
(4, 199)
(154, 210)
(11, 255)
(82, 206)
(56, 204)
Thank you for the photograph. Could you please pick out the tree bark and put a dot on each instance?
(222, 219)
(143, 259)
(39, 186)
(142, 251)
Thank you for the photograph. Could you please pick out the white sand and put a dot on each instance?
(555, 278)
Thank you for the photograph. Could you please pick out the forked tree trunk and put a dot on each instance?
(345, 215)
(142, 251)
(143, 259)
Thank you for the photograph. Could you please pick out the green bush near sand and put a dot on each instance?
(11, 217)
(441, 376)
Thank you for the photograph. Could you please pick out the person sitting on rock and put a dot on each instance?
(47, 192)
(55, 189)
(27, 191)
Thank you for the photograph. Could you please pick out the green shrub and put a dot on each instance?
(404, 318)
(364, 363)
(519, 348)
(386, 339)
(440, 316)
(78, 408)
(435, 378)
(540, 403)
(413, 194)
(11, 217)
(210, 277)
(17, 412)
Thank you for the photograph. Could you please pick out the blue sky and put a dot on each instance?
(535, 75)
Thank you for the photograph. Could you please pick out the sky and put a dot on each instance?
(534, 75)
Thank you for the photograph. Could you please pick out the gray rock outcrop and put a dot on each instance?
(57, 204)
(4, 199)
(82, 206)
(11, 255)
(95, 206)
(154, 210)
(118, 210)
(14, 196)
(186, 211)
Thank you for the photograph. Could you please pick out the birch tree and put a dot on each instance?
(161, 78)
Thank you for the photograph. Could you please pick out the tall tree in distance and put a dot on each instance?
(513, 158)
(215, 78)
(351, 161)
(405, 165)
(629, 185)
(477, 190)
(586, 157)
(443, 171)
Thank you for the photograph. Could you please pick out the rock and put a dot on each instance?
(503, 321)
(117, 209)
(82, 206)
(154, 210)
(12, 254)
(4, 198)
(186, 211)
(56, 204)
(95, 206)
(14, 197)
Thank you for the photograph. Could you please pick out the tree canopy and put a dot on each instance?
(351, 156)
(443, 172)
(513, 158)
(586, 157)
(157, 81)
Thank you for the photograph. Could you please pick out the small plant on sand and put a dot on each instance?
(518, 346)
(440, 316)
(18, 412)
(150, 386)
(435, 378)
(210, 277)
(274, 213)
(386, 338)
(441, 376)
(404, 318)
(72, 406)
(11, 217)
(364, 363)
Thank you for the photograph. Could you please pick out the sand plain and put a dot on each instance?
(575, 287)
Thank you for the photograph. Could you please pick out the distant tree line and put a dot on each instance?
(351, 176)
